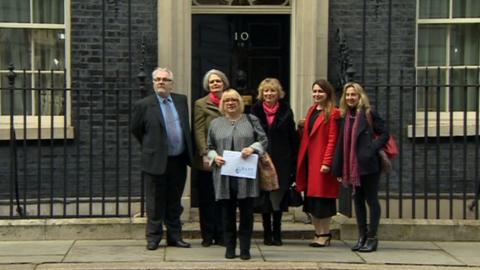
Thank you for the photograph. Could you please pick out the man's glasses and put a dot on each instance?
(162, 79)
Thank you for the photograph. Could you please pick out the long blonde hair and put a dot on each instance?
(363, 101)
(330, 101)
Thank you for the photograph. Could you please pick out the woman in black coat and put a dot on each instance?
(361, 135)
(276, 118)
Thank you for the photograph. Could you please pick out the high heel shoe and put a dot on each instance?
(370, 246)
(317, 243)
(360, 243)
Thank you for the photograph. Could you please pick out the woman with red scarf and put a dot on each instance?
(315, 158)
(357, 162)
(276, 118)
(205, 110)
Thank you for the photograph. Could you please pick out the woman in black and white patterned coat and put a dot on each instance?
(235, 132)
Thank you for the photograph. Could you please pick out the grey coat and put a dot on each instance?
(220, 136)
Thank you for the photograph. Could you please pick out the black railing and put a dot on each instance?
(437, 128)
(72, 155)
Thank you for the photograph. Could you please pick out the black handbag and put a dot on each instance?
(295, 198)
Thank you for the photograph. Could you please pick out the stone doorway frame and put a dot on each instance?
(308, 47)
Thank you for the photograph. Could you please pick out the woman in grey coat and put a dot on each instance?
(235, 132)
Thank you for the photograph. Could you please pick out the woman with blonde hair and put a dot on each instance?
(357, 162)
(317, 147)
(276, 118)
(235, 132)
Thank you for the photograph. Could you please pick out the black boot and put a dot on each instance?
(230, 253)
(277, 228)
(267, 229)
(245, 254)
(245, 243)
(360, 243)
(370, 246)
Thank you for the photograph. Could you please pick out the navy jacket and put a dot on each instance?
(367, 146)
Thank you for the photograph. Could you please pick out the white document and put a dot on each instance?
(237, 166)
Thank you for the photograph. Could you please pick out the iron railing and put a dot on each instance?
(83, 161)
(80, 161)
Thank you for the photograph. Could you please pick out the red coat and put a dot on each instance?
(318, 148)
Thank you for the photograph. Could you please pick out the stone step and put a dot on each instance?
(134, 228)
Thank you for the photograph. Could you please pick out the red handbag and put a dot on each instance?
(391, 148)
(388, 152)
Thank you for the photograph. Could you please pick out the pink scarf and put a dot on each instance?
(214, 99)
(350, 162)
(271, 112)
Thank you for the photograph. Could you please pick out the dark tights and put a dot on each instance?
(229, 214)
(367, 192)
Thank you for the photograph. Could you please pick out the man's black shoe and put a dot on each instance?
(179, 243)
(152, 245)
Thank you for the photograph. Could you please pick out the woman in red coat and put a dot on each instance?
(315, 158)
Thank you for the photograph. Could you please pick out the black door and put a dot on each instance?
(248, 48)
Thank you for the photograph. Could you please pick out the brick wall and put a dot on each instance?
(388, 56)
(105, 57)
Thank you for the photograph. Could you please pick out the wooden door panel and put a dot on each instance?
(248, 48)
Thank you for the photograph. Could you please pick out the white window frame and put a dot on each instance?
(458, 116)
(28, 127)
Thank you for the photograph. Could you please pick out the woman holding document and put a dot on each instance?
(234, 132)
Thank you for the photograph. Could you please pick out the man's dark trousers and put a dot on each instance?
(163, 196)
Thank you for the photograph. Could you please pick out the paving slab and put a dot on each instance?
(339, 266)
(468, 253)
(80, 243)
(409, 256)
(211, 254)
(17, 266)
(35, 248)
(241, 265)
(95, 254)
(112, 251)
(31, 259)
(401, 245)
(299, 251)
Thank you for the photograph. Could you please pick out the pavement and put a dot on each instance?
(294, 254)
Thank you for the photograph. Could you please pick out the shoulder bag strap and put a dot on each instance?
(251, 123)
